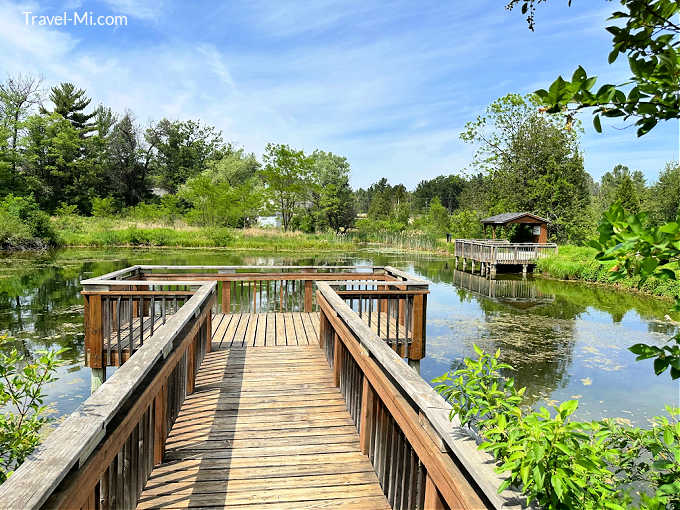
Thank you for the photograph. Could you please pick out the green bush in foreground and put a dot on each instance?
(560, 463)
(21, 397)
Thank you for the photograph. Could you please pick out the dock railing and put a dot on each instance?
(102, 455)
(489, 253)
(421, 458)
(124, 308)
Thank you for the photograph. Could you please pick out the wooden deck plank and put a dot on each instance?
(265, 428)
(251, 329)
(270, 332)
(300, 332)
(229, 334)
(291, 337)
(261, 330)
(241, 330)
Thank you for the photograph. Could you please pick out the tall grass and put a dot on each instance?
(578, 263)
(103, 232)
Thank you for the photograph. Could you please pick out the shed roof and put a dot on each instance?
(502, 219)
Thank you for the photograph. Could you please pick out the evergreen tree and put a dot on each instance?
(627, 195)
(71, 102)
(664, 196)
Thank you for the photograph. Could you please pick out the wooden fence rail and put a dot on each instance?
(422, 460)
(101, 455)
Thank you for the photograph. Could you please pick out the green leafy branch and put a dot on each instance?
(555, 461)
(22, 384)
(644, 251)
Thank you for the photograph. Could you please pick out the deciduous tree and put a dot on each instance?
(287, 174)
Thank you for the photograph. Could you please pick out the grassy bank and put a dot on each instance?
(118, 232)
(578, 263)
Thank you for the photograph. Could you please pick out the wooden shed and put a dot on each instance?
(539, 225)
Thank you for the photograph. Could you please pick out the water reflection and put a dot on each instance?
(564, 339)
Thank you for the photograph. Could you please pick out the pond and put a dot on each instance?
(564, 339)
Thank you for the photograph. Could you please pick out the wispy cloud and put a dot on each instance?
(389, 85)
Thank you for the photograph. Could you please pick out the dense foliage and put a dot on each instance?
(68, 158)
(556, 461)
(646, 251)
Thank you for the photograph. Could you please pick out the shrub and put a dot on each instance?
(26, 211)
(555, 461)
(103, 207)
(21, 396)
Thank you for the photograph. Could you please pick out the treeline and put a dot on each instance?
(61, 156)
(70, 157)
(526, 161)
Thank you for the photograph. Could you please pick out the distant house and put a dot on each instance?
(269, 221)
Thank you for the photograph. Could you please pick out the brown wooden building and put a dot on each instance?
(539, 225)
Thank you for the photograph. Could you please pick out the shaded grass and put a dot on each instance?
(578, 263)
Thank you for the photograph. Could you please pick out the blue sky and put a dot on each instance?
(389, 85)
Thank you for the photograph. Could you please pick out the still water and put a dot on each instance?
(565, 340)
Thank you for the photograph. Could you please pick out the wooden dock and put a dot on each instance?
(273, 404)
(266, 427)
(487, 254)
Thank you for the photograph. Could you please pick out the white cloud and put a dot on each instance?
(390, 88)
(143, 9)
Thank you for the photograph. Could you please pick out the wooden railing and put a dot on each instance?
(117, 321)
(123, 308)
(394, 310)
(102, 454)
(490, 253)
(422, 459)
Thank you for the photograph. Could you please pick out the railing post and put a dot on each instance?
(417, 349)
(159, 421)
(433, 500)
(366, 420)
(308, 295)
(208, 333)
(94, 340)
(226, 296)
(337, 360)
(191, 363)
(323, 326)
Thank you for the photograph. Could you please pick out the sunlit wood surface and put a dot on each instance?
(265, 428)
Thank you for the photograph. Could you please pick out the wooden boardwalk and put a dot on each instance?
(265, 329)
(265, 428)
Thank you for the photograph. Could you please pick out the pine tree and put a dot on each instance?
(627, 195)
(70, 103)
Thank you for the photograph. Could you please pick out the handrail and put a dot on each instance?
(74, 458)
(409, 388)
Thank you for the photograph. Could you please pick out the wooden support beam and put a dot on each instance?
(94, 337)
(308, 295)
(226, 297)
(367, 402)
(417, 348)
(159, 421)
